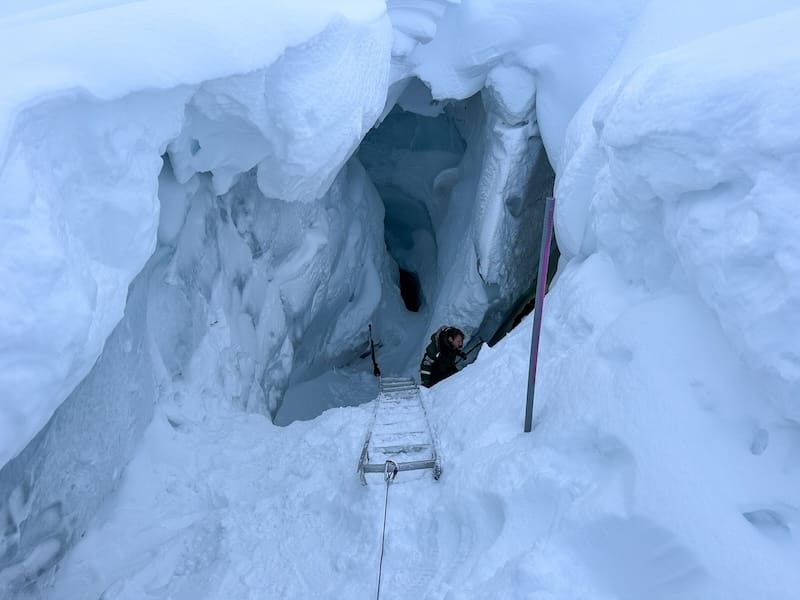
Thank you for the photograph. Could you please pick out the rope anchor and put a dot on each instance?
(390, 471)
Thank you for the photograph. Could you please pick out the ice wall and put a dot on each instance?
(628, 178)
(254, 243)
(80, 172)
(403, 157)
(510, 59)
(688, 160)
(671, 333)
(562, 48)
(79, 221)
(463, 184)
(56, 484)
(93, 219)
(288, 286)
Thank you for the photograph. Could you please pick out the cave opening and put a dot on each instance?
(457, 183)
(410, 290)
(403, 156)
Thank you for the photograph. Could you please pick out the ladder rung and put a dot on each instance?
(401, 466)
(394, 434)
(400, 441)
(408, 448)
(403, 422)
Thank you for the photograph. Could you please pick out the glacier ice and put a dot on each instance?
(108, 138)
(82, 221)
(702, 185)
(403, 157)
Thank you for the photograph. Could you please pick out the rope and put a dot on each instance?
(388, 476)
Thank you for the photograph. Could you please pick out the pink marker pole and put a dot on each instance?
(541, 284)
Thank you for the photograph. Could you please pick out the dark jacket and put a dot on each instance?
(439, 360)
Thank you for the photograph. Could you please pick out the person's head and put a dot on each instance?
(455, 337)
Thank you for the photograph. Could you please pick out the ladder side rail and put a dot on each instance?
(364, 458)
(437, 468)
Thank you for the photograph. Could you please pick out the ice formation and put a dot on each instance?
(690, 156)
(201, 217)
(265, 253)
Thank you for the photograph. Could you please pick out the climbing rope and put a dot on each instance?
(389, 473)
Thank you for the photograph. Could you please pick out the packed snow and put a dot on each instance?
(204, 207)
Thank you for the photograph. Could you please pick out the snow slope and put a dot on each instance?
(629, 487)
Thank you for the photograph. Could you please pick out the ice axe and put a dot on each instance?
(375, 368)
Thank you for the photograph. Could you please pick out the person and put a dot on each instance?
(439, 360)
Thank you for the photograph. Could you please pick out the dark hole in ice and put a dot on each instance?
(403, 157)
(410, 290)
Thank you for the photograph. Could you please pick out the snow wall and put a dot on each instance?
(150, 210)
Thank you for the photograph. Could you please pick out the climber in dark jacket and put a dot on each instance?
(439, 360)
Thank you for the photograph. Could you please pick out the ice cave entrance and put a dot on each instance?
(402, 156)
(421, 142)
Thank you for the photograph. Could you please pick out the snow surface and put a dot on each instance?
(692, 157)
(622, 491)
(210, 191)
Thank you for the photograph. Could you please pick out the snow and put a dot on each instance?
(691, 155)
(611, 496)
(546, 38)
(192, 246)
(75, 236)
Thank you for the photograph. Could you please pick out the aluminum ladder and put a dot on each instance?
(399, 431)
